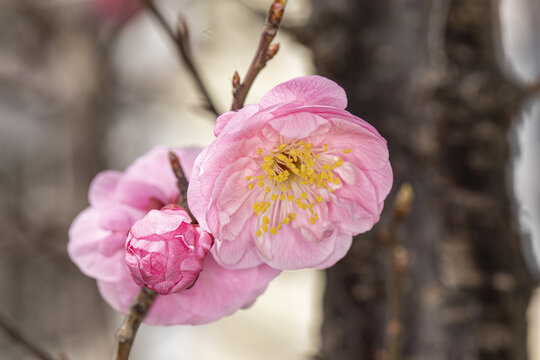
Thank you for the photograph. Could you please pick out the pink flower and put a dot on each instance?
(98, 235)
(117, 11)
(290, 180)
(165, 252)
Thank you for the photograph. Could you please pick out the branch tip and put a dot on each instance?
(182, 183)
(272, 51)
(182, 28)
(265, 51)
(404, 200)
(235, 81)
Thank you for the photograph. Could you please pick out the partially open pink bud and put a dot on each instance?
(165, 252)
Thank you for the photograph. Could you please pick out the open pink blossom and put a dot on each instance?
(290, 180)
(97, 239)
(165, 252)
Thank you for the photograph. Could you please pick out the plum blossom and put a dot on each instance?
(97, 240)
(165, 252)
(290, 180)
(116, 11)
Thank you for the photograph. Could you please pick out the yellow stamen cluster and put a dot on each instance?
(293, 174)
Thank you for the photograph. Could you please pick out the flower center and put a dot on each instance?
(294, 177)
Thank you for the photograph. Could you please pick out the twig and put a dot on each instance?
(397, 257)
(530, 90)
(524, 92)
(180, 38)
(142, 303)
(264, 52)
(182, 183)
(435, 34)
(126, 333)
(22, 340)
(298, 31)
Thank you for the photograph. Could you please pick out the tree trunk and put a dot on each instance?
(426, 74)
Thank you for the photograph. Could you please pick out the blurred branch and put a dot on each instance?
(23, 341)
(530, 90)
(264, 52)
(438, 14)
(397, 255)
(127, 331)
(523, 93)
(182, 183)
(180, 38)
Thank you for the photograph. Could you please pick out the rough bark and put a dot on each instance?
(426, 74)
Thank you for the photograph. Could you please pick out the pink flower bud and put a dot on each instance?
(165, 252)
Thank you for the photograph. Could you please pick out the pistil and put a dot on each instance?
(293, 174)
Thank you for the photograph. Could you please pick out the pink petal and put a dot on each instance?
(343, 243)
(382, 180)
(243, 126)
(309, 90)
(238, 252)
(103, 187)
(198, 197)
(298, 125)
(118, 217)
(357, 208)
(207, 185)
(291, 250)
(187, 158)
(86, 247)
(240, 115)
(233, 199)
(120, 293)
(139, 194)
(369, 151)
(158, 223)
(154, 168)
(342, 116)
(217, 293)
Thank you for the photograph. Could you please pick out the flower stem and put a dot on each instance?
(264, 52)
(127, 331)
(182, 184)
(144, 300)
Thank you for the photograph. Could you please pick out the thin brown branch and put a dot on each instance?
(19, 338)
(397, 258)
(180, 38)
(126, 333)
(523, 93)
(264, 53)
(182, 184)
(530, 90)
(296, 30)
(142, 303)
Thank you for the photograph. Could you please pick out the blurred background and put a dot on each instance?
(88, 85)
